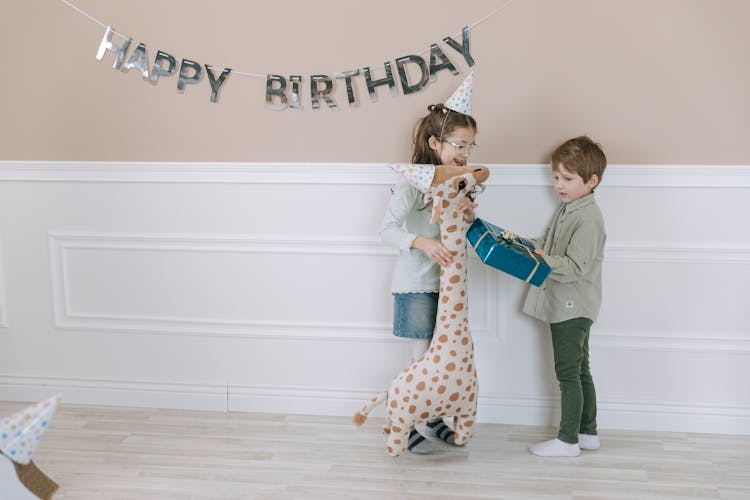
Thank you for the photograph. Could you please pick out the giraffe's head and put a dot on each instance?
(444, 184)
(451, 183)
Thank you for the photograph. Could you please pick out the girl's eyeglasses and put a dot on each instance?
(461, 148)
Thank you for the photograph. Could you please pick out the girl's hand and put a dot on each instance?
(434, 250)
(467, 206)
(539, 251)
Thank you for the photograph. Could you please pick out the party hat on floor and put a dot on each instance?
(20, 433)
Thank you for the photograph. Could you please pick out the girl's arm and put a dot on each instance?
(392, 231)
(434, 250)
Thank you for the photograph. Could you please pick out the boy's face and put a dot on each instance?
(570, 186)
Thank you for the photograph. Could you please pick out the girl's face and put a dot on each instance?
(455, 147)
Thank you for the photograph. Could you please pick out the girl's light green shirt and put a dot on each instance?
(406, 218)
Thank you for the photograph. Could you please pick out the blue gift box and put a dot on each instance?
(507, 252)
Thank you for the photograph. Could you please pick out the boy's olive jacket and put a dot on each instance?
(573, 245)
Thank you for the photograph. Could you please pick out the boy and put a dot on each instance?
(569, 300)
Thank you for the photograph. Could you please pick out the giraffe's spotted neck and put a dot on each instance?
(453, 299)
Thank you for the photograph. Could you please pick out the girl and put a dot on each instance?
(442, 137)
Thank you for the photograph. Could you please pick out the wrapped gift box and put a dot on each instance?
(507, 252)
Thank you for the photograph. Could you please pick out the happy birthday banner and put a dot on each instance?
(284, 92)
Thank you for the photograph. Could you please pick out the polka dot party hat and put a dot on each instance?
(460, 101)
(20, 433)
(420, 176)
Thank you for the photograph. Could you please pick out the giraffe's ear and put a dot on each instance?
(437, 208)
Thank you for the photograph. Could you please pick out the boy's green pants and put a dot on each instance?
(570, 343)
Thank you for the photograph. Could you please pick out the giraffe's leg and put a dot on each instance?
(464, 429)
(387, 425)
(398, 440)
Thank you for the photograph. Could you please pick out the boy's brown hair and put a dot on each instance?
(582, 156)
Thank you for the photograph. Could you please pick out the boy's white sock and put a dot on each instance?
(588, 441)
(555, 448)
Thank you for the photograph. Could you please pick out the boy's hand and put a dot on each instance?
(434, 250)
(539, 251)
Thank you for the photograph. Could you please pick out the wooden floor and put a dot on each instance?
(102, 453)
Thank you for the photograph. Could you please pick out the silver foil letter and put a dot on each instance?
(437, 53)
(347, 76)
(185, 78)
(316, 92)
(138, 59)
(400, 65)
(106, 44)
(383, 81)
(216, 83)
(296, 82)
(279, 91)
(157, 70)
(463, 49)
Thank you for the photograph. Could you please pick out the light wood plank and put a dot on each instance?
(108, 453)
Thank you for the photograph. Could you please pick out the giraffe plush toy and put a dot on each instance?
(443, 382)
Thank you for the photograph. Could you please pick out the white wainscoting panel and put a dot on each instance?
(265, 287)
(217, 285)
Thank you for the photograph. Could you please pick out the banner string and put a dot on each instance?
(258, 75)
(90, 17)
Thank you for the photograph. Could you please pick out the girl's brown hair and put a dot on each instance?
(432, 125)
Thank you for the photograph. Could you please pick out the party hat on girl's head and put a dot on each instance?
(20, 433)
(460, 101)
(420, 176)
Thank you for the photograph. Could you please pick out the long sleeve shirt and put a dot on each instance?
(573, 244)
(405, 219)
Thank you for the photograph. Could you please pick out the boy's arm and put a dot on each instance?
(585, 247)
(539, 242)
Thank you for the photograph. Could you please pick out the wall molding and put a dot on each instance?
(661, 176)
(688, 252)
(649, 252)
(721, 343)
(62, 242)
(115, 392)
(494, 328)
(684, 253)
(668, 416)
(646, 415)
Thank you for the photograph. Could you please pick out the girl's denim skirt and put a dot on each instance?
(414, 314)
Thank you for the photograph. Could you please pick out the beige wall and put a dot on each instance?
(656, 81)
